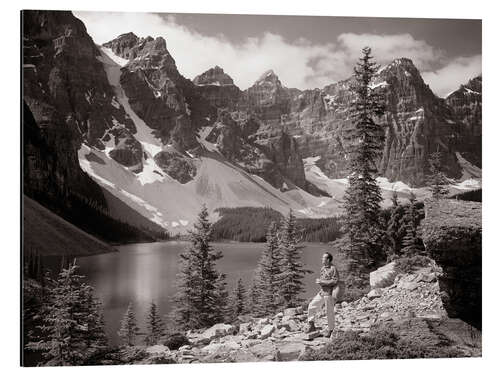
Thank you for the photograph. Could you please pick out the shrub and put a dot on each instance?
(130, 354)
(377, 344)
(176, 340)
(407, 264)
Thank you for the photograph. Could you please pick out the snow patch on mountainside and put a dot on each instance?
(117, 59)
(171, 204)
(150, 144)
(336, 187)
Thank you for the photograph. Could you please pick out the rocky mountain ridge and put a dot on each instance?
(124, 114)
(417, 122)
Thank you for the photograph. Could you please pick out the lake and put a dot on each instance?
(141, 273)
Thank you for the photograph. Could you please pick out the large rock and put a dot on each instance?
(218, 330)
(128, 152)
(180, 167)
(266, 331)
(452, 234)
(383, 276)
(290, 351)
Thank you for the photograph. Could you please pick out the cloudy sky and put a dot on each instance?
(305, 52)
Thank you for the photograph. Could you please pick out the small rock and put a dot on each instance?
(158, 349)
(245, 327)
(310, 336)
(292, 311)
(409, 285)
(266, 331)
(429, 278)
(344, 304)
(263, 321)
(293, 326)
(374, 293)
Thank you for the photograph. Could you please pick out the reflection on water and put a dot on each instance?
(141, 273)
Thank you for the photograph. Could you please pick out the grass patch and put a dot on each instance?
(378, 344)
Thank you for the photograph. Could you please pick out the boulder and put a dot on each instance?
(265, 350)
(218, 330)
(290, 351)
(452, 234)
(383, 276)
(224, 347)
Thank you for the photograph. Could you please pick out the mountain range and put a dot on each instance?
(119, 128)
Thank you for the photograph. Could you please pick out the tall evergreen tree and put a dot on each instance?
(365, 140)
(292, 270)
(238, 300)
(268, 272)
(200, 285)
(128, 327)
(223, 311)
(412, 242)
(72, 329)
(395, 226)
(437, 179)
(155, 328)
(253, 296)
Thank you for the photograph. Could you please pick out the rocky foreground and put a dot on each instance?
(410, 305)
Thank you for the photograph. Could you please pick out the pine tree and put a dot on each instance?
(412, 243)
(223, 311)
(238, 299)
(365, 140)
(72, 327)
(128, 327)
(154, 326)
(292, 270)
(200, 285)
(267, 275)
(395, 226)
(253, 297)
(437, 179)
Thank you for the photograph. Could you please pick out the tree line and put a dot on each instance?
(250, 224)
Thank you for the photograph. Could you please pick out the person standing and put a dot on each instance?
(329, 284)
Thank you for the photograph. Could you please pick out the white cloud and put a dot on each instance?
(300, 63)
(388, 47)
(448, 78)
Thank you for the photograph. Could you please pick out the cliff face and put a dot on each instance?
(466, 103)
(178, 109)
(218, 88)
(452, 234)
(66, 101)
(417, 123)
(158, 93)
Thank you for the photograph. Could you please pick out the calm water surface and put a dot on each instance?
(141, 273)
